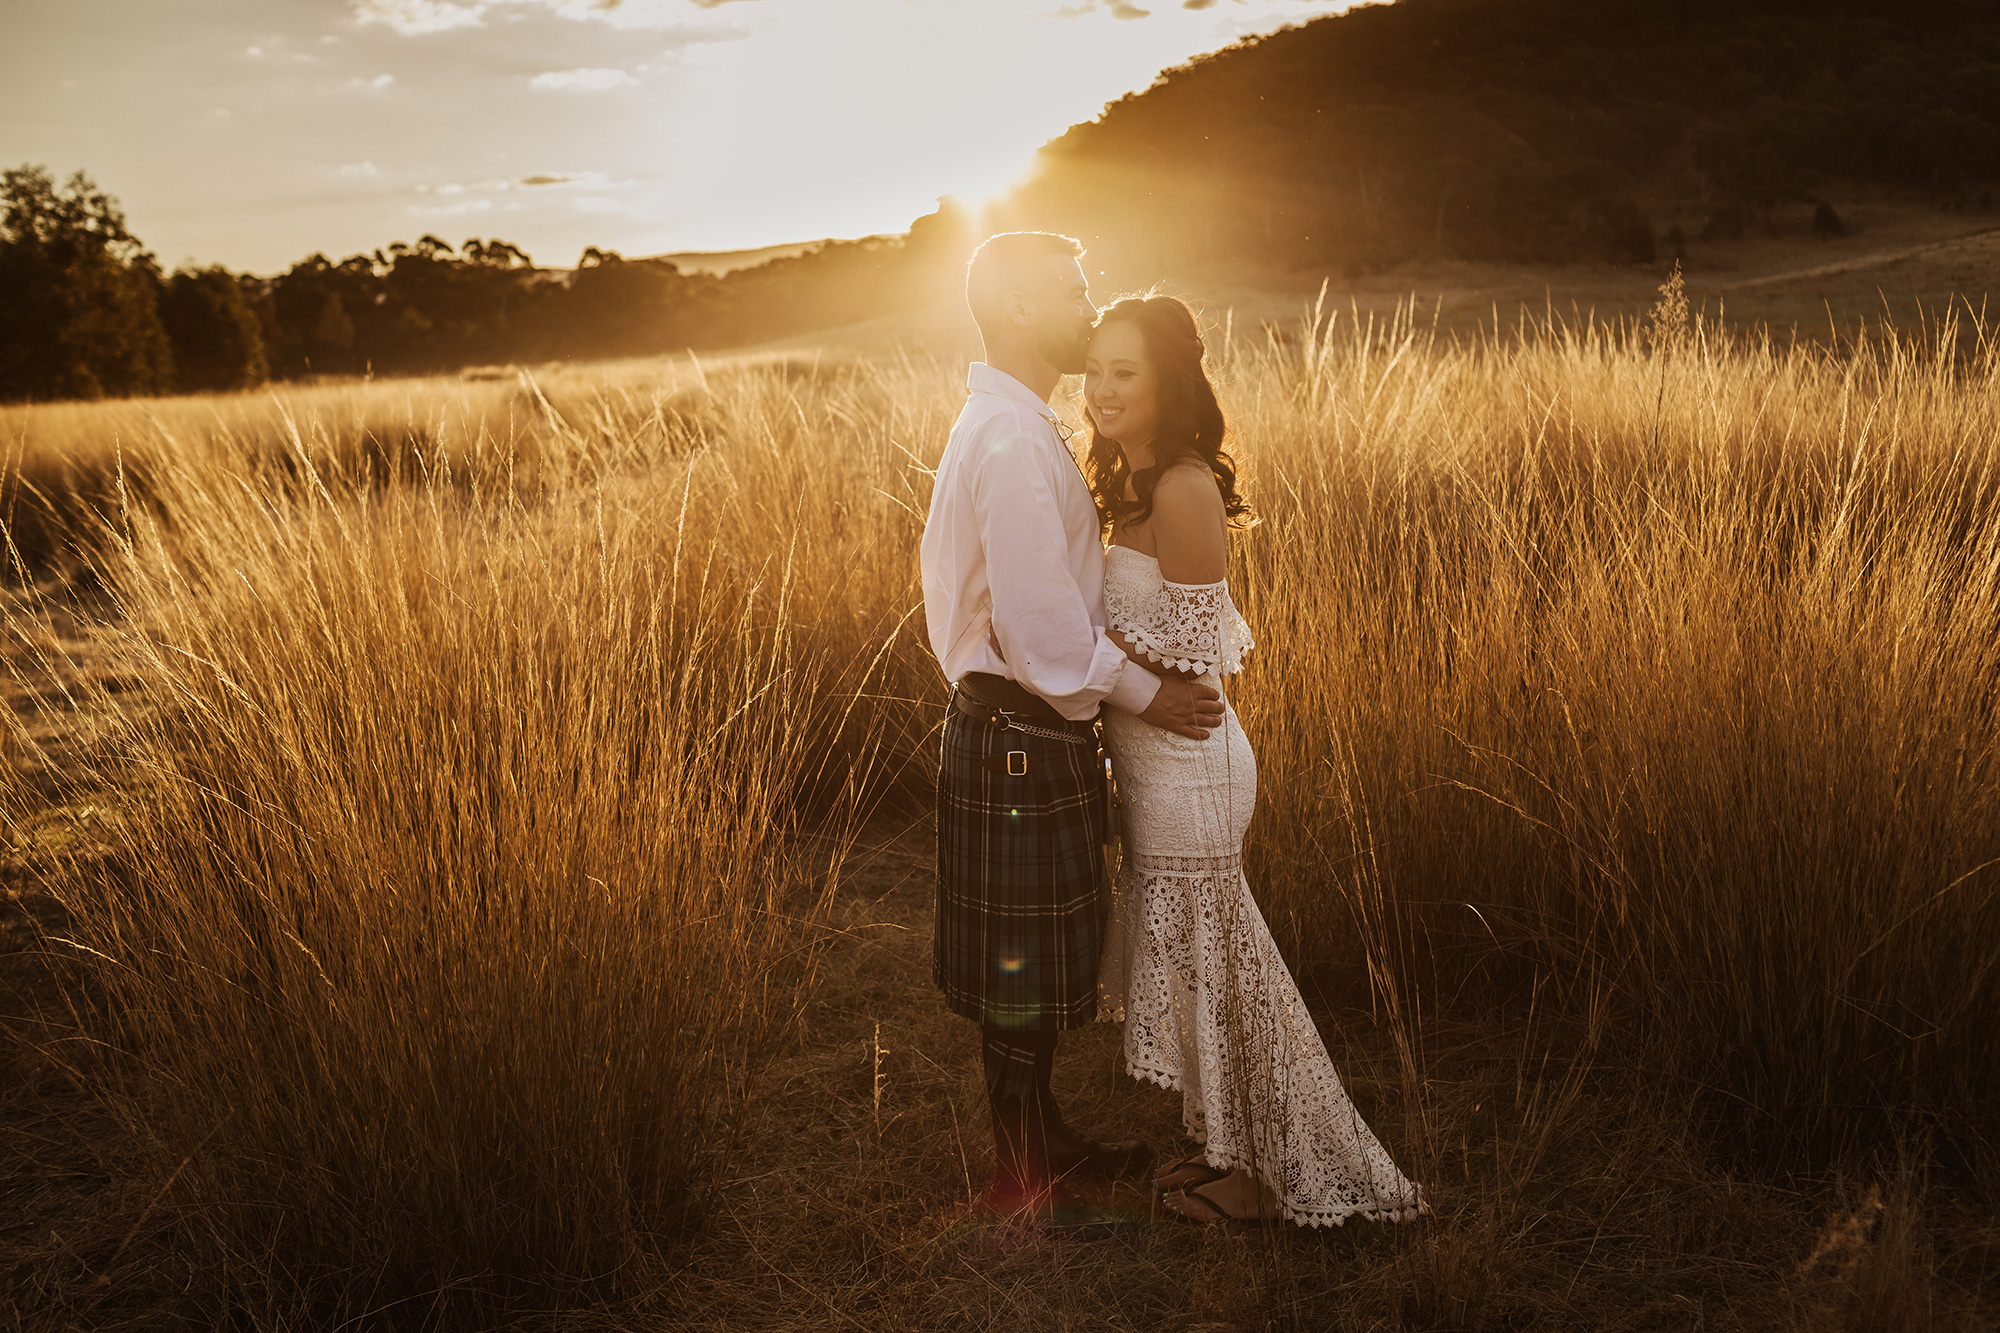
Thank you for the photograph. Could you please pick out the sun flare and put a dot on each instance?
(645, 126)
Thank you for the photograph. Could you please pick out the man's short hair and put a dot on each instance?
(1013, 261)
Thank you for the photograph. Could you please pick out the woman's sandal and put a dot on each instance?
(1209, 1175)
(1221, 1214)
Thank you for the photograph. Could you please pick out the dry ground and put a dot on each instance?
(79, 1243)
(1565, 1197)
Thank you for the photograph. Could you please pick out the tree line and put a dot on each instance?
(86, 312)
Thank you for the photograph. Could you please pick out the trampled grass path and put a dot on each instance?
(1970, 246)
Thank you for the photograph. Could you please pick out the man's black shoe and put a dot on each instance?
(1072, 1154)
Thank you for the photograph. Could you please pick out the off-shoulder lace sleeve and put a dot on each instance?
(1187, 626)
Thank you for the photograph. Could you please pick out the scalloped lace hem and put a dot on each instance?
(1148, 643)
(1164, 1078)
(1192, 627)
(1304, 1217)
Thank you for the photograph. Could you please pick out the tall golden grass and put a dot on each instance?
(497, 742)
(484, 794)
(1650, 671)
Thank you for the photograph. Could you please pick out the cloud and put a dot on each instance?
(628, 13)
(581, 80)
(450, 199)
(539, 180)
(278, 48)
(374, 85)
(413, 17)
(585, 180)
(360, 171)
(418, 17)
(451, 210)
(690, 35)
(1123, 9)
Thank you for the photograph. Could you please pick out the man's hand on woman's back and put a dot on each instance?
(1186, 708)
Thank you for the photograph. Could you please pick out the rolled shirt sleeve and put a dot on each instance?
(1041, 618)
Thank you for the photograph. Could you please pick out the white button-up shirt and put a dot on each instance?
(1013, 561)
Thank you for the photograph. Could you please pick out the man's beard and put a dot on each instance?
(1064, 351)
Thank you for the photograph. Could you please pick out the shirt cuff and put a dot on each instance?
(1134, 689)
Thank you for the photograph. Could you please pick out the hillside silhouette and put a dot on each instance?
(1526, 131)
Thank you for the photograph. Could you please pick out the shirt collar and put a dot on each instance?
(982, 378)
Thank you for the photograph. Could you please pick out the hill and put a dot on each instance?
(1529, 130)
(716, 263)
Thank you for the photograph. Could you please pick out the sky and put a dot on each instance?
(252, 133)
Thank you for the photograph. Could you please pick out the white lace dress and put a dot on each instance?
(1210, 1008)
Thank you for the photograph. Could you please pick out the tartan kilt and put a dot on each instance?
(1021, 865)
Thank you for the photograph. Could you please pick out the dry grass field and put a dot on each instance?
(468, 846)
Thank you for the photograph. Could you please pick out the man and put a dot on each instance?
(1013, 574)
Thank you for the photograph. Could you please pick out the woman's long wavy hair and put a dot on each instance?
(1191, 424)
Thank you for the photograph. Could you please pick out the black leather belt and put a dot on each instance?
(1005, 704)
(1011, 696)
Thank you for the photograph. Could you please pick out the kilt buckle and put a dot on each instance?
(1010, 763)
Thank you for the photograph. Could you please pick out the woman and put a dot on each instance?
(1210, 1008)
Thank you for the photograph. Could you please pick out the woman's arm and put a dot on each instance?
(1138, 654)
(1191, 528)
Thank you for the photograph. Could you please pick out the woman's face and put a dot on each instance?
(1120, 386)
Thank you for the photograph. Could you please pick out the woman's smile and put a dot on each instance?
(1119, 385)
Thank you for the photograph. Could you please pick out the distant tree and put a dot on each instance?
(1954, 145)
(495, 254)
(79, 292)
(1724, 224)
(1619, 232)
(1826, 223)
(333, 336)
(217, 341)
(616, 306)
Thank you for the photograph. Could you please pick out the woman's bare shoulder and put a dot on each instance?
(1189, 526)
(1188, 487)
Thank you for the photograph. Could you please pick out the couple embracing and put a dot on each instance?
(1059, 646)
